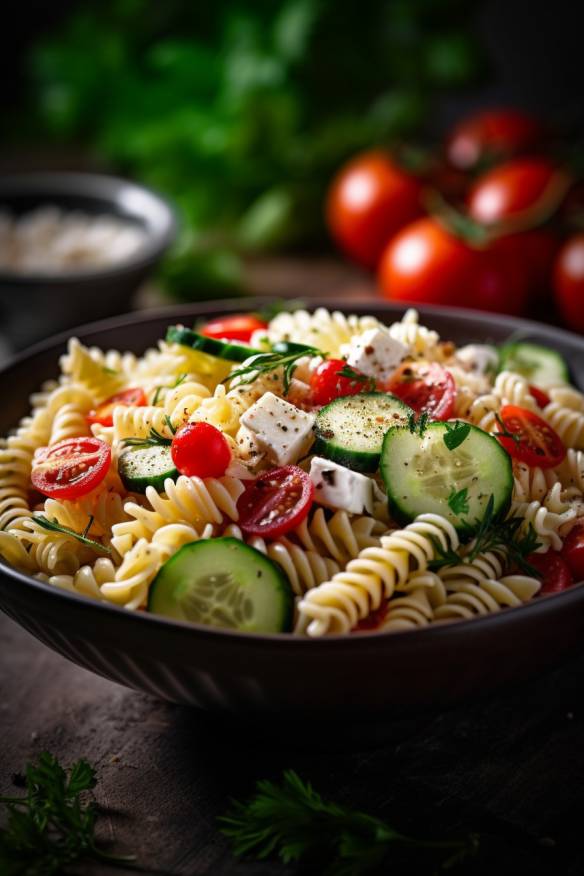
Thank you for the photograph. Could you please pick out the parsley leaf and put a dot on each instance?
(455, 434)
(458, 501)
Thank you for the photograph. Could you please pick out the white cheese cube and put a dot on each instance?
(376, 353)
(282, 430)
(340, 488)
(479, 358)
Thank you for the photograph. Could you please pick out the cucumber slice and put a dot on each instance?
(542, 366)
(221, 349)
(350, 429)
(141, 467)
(421, 474)
(286, 347)
(222, 582)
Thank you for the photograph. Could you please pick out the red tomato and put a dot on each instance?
(520, 193)
(554, 571)
(427, 388)
(104, 412)
(70, 468)
(535, 443)
(491, 135)
(199, 450)
(239, 327)
(569, 282)
(427, 264)
(275, 502)
(573, 551)
(534, 253)
(373, 620)
(541, 397)
(369, 201)
(327, 383)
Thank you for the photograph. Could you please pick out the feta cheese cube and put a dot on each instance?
(282, 430)
(376, 353)
(340, 488)
(479, 358)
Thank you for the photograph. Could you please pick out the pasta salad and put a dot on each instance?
(318, 474)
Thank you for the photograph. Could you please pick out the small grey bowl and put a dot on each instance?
(35, 305)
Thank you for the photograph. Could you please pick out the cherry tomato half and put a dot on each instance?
(328, 383)
(555, 572)
(104, 413)
(569, 282)
(427, 264)
(369, 201)
(275, 502)
(239, 327)
(542, 398)
(427, 388)
(573, 551)
(199, 450)
(523, 192)
(70, 468)
(492, 135)
(535, 442)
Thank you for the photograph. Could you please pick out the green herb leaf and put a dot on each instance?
(418, 425)
(455, 434)
(264, 363)
(458, 501)
(154, 439)
(159, 389)
(293, 821)
(350, 373)
(504, 432)
(54, 526)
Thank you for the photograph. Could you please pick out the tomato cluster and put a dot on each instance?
(490, 221)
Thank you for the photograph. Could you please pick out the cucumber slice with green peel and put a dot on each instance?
(222, 582)
(422, 476)
(542, 366)
(286, 347)
(141, 467)
(232, 352)
(350, 429)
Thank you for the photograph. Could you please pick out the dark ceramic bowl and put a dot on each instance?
(349, 677)
(36, 305)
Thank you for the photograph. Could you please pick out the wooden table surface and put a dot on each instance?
(511, 767)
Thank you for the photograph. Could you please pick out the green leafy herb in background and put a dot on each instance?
(291, 820)
(241, 111)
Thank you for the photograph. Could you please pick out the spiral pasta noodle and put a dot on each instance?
(467, 599)
(324, 330)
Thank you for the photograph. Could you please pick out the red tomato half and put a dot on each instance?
(236, 328)
(199, 450)
(541, 397)
(523, 192)
(573, 551)
(104, 413)
(275, 502)
(369, 201)
(569, 282)
(427, 264)
(70, 468)
(554, 571)
(427, 388)
(327, 383)
(491, 135)
(535, 442)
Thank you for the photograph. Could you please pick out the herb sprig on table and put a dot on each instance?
(52, 827)
(291, 820)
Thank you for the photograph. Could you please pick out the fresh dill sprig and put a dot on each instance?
(455, 434)
(504, 431)
(291, 820)
(52, 827)
(263, 363)
(55, 526)
(154, 438)
(180, 379)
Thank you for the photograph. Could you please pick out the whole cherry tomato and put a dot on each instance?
(104, 413)
(529, 438)
(573, 551)
(519, 194)
(555, 572)
(276, 502)
(334, 378)
(239, 327)
(426, 387)
(369, 201)
(200, 450)
(71, 468)
(568, 282)
(427, 264)
(490, 136)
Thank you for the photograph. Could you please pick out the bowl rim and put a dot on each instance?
(510, 615)
(49, 185)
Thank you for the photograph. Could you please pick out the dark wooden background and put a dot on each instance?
(510, 767)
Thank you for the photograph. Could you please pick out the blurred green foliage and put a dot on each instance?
(241, 110)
